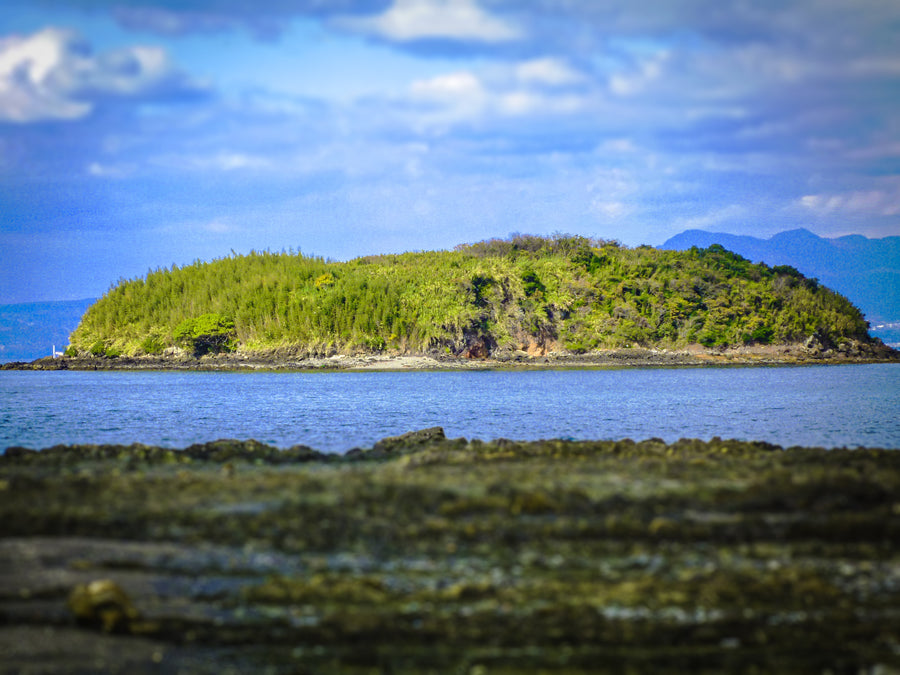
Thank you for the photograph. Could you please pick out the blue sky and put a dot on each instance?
(135, 135)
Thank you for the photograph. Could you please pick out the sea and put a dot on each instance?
(827, 406)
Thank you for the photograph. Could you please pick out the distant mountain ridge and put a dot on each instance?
(867, 271)
(30, 330)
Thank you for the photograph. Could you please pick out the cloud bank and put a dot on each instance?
(54, 74)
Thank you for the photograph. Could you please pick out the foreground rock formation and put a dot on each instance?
(425, 554)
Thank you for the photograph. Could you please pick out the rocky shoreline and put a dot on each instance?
(428, 554)
(810, 352)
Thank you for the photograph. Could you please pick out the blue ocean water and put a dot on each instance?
(830, 406)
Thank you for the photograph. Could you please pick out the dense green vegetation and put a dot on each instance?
(564, 293)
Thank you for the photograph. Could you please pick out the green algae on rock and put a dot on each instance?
(448, 555)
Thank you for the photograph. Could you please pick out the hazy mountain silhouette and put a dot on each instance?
(867, 271)
(30, 330)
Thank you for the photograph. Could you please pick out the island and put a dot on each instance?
(518, 302)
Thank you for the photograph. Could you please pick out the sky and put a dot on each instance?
(144, 133)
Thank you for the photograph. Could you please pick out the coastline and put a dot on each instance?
(292, 360)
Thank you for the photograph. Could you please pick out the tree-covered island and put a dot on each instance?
(524, 296)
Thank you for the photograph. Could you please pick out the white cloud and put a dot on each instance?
(218, 227)
(197, 228)
(230, 161)
(617, 145)
(865, 202)
(170, 21)
(610, 210)
(519, 102)
(647, 72)
(462, 20)
(27, 88)
(880, 149)
(220, 161)
(548, 71)
(719, 217)
(525, 102)
(464, 97)
(53, 75)
(448, 87)
(453, 97)
(612, 193)
(125, 72)
(110, 170)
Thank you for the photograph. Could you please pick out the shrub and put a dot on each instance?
(206, 333)
(325, 280)
(577, 345)
(762, 334)
(787, 270)
(475, 290)
(532, 284)
(373, 344)
(152, 344)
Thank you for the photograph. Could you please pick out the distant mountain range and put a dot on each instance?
(29, 331)
(867, 271)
